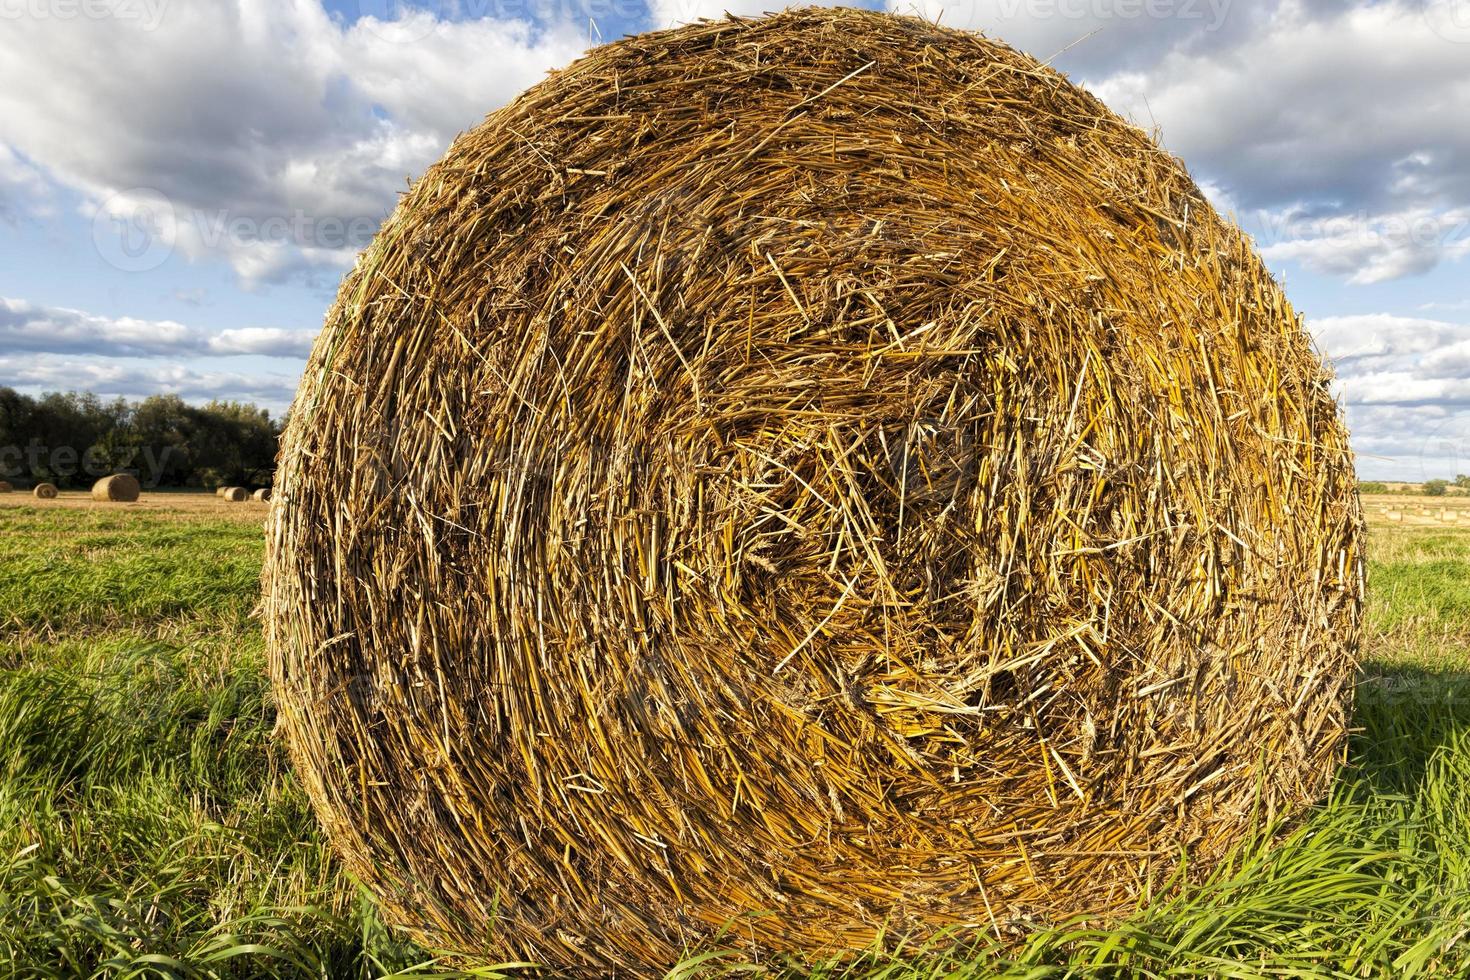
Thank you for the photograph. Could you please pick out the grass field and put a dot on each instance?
(150, 826)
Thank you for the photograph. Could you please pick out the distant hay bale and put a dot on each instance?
(6, 487)
(45, 491)
(236, 494)
(118, 488)
(261, 495)
(221, 491)
(797, 480)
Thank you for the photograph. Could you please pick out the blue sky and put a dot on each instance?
(183, 182)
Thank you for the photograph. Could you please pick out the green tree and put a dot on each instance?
(1436, 488)
(165, 431)
(71, 438)
(236, 444)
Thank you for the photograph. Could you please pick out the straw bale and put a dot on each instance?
(802, 478)
(118, 488)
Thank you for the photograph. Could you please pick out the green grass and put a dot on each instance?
(71, 569)
(150, 826)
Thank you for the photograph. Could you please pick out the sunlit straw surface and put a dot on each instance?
(805, 477)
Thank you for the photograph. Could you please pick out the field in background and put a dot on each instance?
(150, 826)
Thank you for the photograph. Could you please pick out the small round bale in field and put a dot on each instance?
(262, 495)
(788, 482)
(118, 488)
(45, 491)
(6, 487)
(221, 491)
(235, 494)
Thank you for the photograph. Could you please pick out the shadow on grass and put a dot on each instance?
(1403, 715)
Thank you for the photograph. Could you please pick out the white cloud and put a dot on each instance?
(1365, 249)
(1462, 305)
(1094, 37)
(1326, 121)
(1404, 383)
(1335, 111)
(266, 341)
(1354, 339)
(109, 377)
(256, 114)
(671, 13)
(28, 327)
(23, 189)
(1344, 102)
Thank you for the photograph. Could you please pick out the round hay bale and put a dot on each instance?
(826, 466)
(118, 488)
(235, 494)
(6, 487)
(45, 491)
(262, 495)
(221, 491)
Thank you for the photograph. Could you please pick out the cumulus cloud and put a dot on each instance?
(1327, 121)
(1321, 122)
(1404, 383)
(1365, 249)
(269, 127)
(57, 330)
(1344, 102)
(110, 377)
(1095, 38)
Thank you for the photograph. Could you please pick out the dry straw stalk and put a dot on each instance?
(813, 476)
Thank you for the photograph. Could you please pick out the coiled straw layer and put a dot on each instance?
(805, 477)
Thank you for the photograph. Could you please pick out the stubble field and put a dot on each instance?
(150, 824)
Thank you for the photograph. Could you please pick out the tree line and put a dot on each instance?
(73, 439)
